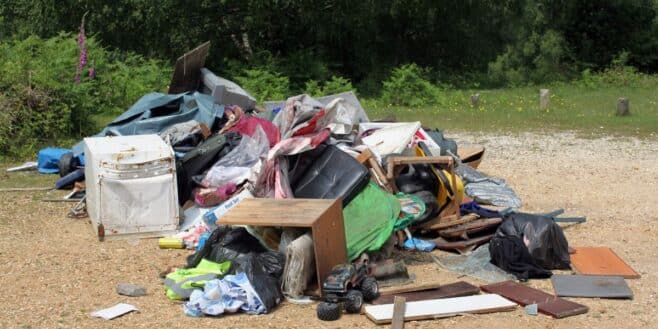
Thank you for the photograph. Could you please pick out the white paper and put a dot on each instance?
(114, 311)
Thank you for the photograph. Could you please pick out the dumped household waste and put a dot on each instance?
(293, 201)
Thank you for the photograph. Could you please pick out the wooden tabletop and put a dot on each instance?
(277, 212)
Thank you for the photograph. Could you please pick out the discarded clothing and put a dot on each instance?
(246, 125)
(180, 283)
(510, 254)
(208, 197)
(228, 295)
(474, 208)
(188, 133)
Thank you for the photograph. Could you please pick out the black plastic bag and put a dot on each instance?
(510, 254)
(263, 268)
(542, 236)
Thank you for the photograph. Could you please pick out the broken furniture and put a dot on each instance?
(323, 217)
(131, 186)
(592, 286)
(188, 69)
(439, 308)
(368, 159)
(334, 174)
(225, 91)
(546, 303)
(600, 261)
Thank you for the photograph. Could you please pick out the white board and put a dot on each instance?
(440, 308)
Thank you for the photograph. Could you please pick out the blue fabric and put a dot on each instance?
(420, 245)
(228, 295)
(48, 159)
(149, 115)
(473, 207)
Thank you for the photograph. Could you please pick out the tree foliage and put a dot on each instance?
(517, 41)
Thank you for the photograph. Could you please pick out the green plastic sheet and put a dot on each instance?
(369, 220)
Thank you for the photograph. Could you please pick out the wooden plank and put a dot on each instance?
(601, 261)
(408, 288)
(546, 303)
(447, 221)
(470, 228)
(398, 313)
(187, 70)
(449, 245)
(277, 212)
(457, 289)
(329, 240)
(440, 308)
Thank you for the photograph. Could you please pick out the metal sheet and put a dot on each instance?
(594, 286)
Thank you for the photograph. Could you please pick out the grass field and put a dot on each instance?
(573, 106)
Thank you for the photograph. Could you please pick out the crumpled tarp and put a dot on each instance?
(48, 159)
(369, 220)
(227, 295)
(487, 190)
(477, 265)
(155, 112)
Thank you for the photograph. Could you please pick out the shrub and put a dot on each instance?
(264, 84)
(41, 104)
(335, 85)
(408, 86)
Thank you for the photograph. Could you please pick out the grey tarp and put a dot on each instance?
(155, 112)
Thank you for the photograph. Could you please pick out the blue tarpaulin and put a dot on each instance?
(48, 159)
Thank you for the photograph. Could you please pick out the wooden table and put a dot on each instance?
(324, 218)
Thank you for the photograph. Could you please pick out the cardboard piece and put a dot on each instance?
(114, 311)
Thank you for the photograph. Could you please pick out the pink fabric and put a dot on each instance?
(211, 197)
(247, 124)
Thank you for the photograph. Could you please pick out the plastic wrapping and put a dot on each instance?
(300, 266)
(542, 236)
(487, 190)
(235, 166)
(476, 265)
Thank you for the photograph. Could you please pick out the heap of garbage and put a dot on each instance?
(308, 197)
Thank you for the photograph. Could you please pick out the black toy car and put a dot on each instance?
(347, 284)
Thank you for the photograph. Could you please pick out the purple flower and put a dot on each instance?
(92, 72)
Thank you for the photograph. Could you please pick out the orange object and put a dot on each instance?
(600, 261)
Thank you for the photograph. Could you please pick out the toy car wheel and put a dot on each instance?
(328, 311)
(369, 289)
(353, 301)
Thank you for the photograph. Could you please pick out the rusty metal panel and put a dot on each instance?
(546, 303)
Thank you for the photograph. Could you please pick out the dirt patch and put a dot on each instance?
(54, 272)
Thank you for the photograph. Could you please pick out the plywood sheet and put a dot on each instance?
(593, 286)
(456, 289)
(439, 308)
(600, 261)
(546, 303)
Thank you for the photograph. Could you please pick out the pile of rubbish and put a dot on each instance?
(309, 197)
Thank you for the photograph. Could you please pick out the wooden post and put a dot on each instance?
(398, 312)
(623, 106)
(475, 100)
(544, 99)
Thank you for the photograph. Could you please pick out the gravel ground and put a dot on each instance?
(55, 272)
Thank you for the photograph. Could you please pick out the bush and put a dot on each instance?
(408, 86)
(41, 104)
(335, 85)
(264, 84)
